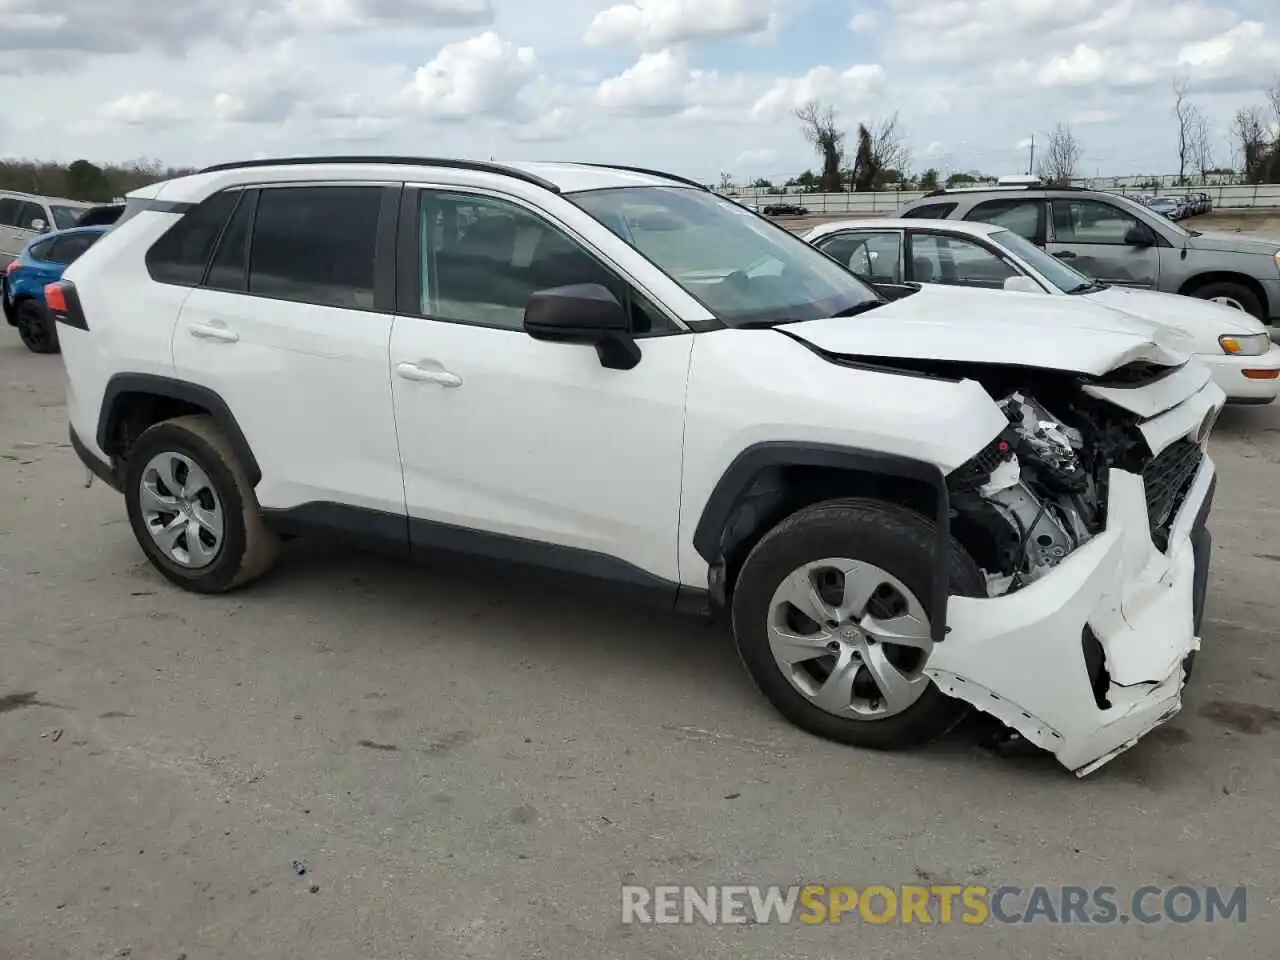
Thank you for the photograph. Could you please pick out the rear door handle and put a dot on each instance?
(413, 371)
(213, 331)
(1065, 255)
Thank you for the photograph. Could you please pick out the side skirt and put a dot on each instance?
(424, 540)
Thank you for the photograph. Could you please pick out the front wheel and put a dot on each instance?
(829, 618)
(36, 328)
(193, 510)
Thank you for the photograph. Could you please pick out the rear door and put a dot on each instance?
(1104, 241)
(290, 325)
(1024, 216)
(873, 255)
(33, 220)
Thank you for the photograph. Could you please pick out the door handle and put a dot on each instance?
(213, 331)
(411, 371)
(1065, 255)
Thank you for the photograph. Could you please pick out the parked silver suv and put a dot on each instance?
(24, 216)
(1119, 241)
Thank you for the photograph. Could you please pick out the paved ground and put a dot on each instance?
(471, 768)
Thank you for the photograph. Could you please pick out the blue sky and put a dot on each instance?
(695, 86)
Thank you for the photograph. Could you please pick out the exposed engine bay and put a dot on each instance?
(1038, 492)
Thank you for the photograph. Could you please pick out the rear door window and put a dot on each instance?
(930, 211)
(30, 215)
(9, 209)
(937, 258)
(1023, 216)
(316, 245)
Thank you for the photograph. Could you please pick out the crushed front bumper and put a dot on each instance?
(1022, 657)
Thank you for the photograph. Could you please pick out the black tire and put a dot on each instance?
(1236, 291)
(36, 327)
(248, 548)
(899, 541)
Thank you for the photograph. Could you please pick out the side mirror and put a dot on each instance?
(1021, 284)
(587, 314)
(1139, 235)
(39, 226)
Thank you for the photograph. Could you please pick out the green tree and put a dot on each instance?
(85, 181)
(929, 179)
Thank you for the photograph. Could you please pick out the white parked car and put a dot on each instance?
(1235, 346)
(619, 375)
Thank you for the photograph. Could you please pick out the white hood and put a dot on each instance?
(996, 326)
(1203, 320)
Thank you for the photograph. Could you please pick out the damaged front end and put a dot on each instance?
(1087, 517)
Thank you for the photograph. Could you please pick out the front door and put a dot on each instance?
(519, 448)
(1105, 242)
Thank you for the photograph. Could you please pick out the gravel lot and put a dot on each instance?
(471, 767)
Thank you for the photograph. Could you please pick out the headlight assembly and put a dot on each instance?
(1245, 344)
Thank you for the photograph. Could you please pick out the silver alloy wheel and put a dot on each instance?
(851, 638)
(181, 510)
(1231, 302)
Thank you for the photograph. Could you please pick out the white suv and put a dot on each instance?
(617, 374)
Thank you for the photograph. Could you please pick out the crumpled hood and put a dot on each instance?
(1234, 243)
(996, 326)
(1203, 320)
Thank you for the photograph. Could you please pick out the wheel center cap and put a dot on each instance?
(851, 633)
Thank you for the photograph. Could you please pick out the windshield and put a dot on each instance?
(1136, 208)
(745, 270)
(65, 217)
(1065, 278)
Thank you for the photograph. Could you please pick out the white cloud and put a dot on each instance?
(756, 159)
(660, 23)
(864, 21)
(853, 87)
(142, 108)
(484, 75)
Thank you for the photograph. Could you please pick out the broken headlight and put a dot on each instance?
(1046, 444)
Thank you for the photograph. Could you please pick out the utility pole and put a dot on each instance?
(1031, 163)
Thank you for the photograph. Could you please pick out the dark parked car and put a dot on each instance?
(784, 210)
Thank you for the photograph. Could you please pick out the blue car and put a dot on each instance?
(22, 287)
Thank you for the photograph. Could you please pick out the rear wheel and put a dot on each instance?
(830, 619)
(1234, 295)
(36, 327)
(193, 510)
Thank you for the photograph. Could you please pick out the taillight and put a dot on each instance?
(13, 267)
(55, 298)
(64, 303)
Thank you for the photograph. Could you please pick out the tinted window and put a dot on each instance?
(1022, 216)
(29, 214)
(41, 250)
(229, 270)
(316, 244)
(181, 254)
(9, 209)
(948, 259)
(1090, 221)
(930, 211)
(875, 257)
(68, 249)
(483, 259)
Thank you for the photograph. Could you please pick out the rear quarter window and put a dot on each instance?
(182, 252)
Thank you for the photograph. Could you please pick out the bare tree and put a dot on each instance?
(1060, 156)
(1252, 143)
(726, 182)
(1184, 112)
(888, 144)
(1200, 145)
(827, 140)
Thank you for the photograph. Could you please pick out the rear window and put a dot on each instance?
(180, 255)
(930, 211)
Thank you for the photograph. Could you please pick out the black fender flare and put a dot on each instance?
(748, 464)
(124, 384)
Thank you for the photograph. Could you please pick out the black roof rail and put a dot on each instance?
(477, 165)
(652, 173)
(947, 192)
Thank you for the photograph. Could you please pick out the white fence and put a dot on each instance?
(885, 202)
